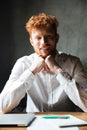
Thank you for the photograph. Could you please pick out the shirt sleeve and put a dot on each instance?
(76, 88)
(19, 81)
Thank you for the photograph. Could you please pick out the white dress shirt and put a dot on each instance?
(45, 91)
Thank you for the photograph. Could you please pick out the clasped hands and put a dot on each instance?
(48, 64)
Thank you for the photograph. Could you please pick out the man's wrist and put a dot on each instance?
(58, 70)
(66, 75)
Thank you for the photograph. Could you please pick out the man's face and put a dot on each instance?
(43, 41)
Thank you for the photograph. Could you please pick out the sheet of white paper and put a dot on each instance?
(47, 124)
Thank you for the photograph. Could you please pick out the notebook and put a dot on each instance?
(22, 120)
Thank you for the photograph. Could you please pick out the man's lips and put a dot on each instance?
(44, 48)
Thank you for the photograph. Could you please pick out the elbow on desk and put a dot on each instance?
(1, 112)
(4, 111)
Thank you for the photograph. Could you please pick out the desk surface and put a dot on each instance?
(81, 115)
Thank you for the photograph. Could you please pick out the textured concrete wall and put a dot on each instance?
(72, 16)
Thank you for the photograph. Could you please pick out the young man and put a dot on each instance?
(53, 81)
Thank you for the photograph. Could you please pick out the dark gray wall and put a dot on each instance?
(7, 50)
(14, 43)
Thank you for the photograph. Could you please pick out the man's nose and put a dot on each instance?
(44, 40)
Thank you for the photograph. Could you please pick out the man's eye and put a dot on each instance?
(38, 38)
(50, 37)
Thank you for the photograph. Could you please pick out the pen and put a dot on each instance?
(73, 125)
(56, 117)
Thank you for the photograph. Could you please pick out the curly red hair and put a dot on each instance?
(42, 20)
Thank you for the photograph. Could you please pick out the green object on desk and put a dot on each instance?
(56, 117)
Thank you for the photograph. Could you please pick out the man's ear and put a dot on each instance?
(31, 41)
(57, 37)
